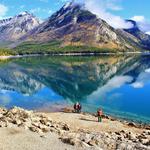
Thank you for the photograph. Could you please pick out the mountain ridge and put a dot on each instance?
(73, 25)
(76, 26)
(13, 28)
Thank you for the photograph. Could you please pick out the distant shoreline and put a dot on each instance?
(107, 115)
(70, 54)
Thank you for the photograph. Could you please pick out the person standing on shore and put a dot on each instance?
(77, 107)
(99, 114)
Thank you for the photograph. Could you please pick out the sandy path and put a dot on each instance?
(20, 139)
(89, 123)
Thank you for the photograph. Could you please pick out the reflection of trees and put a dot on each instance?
(71, 77)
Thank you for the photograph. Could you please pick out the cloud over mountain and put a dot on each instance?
(102, 9)
(143, 24)
(3, 10)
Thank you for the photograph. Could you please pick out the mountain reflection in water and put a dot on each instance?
(118, 84)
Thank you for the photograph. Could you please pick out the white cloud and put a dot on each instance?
(35, 10)
(112, 84)
(5, 100)
(138, 85)
(147, 70)
(138, 18)
(3, 10)
(142, 79)
(143, 23)
(112, 6)
(102, 9)
(148, 32)
(41, 10)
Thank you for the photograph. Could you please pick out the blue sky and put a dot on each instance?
(135, 8)
(109, 9)
(41, 8)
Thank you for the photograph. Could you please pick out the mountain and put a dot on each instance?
(69, 28)
(74, 25)
(140, 35)
(12, 29)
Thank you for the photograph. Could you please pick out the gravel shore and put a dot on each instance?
(28, 130)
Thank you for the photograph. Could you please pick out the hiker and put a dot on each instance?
(77, 107)
(99, 114)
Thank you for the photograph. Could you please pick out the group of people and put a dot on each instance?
(78, 107)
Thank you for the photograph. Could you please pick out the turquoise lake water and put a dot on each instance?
(118, 84)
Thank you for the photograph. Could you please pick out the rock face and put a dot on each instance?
(141, 36)
(12, 29)
(41, 124)
(74, 25)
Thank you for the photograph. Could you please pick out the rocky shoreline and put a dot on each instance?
(42, 123)
(72, 54)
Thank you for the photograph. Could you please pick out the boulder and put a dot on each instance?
(145, 142)
(68, 140)
(34, 129)
(3, 124)
(17, 122)
(93, 142)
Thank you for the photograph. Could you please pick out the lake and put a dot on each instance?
(118, 84)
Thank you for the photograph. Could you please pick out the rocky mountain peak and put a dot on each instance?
(12, 29)
(25, 16)
(74, 25)
(5, 21)
(70, 9)
(69, 4)
(70, 13)
(24, 13)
